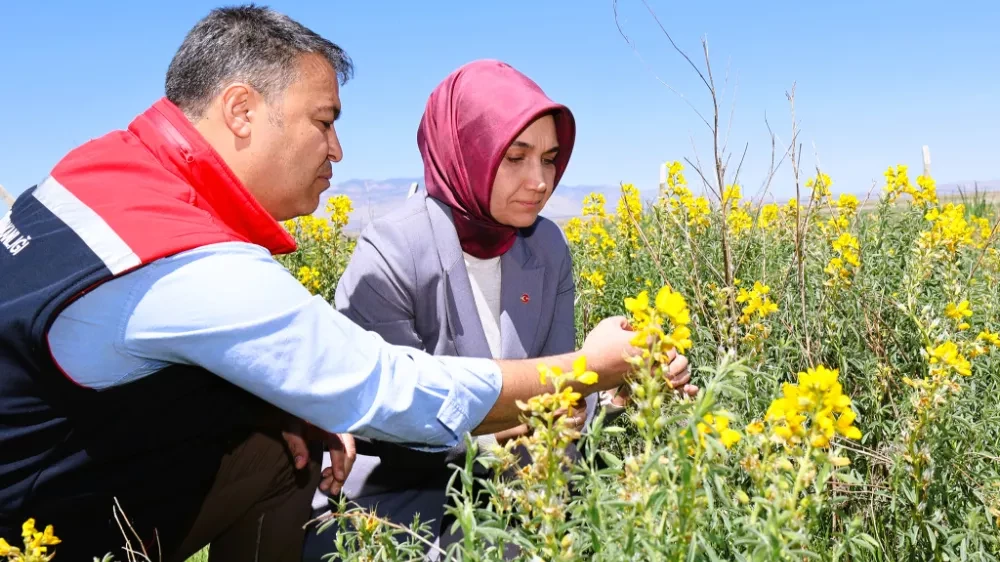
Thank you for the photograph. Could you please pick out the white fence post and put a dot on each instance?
(7, 198)
(927, 161)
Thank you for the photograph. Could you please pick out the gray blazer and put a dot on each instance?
(407, 281)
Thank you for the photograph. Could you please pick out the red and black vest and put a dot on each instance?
(110, 206)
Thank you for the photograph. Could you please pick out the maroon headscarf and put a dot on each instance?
(470, 120)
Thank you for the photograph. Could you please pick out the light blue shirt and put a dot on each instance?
(235, 311)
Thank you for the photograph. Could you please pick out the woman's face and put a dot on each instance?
(526, 175)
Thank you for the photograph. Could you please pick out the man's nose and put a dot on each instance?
(336, 152)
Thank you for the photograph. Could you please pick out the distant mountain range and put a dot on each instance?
(373, 198)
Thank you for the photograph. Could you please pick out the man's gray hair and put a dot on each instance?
(250, 44)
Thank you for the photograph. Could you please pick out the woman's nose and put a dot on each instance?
(536, 185)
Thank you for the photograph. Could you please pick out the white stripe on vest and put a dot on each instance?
(88, 225)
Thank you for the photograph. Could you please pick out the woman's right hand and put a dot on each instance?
(607, 349)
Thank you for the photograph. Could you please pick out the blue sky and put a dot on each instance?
(875, 80)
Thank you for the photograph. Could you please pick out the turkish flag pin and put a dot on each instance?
(525, 298)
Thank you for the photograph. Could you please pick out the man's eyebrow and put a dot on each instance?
(331, 108)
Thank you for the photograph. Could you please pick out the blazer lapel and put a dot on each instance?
(462, 317)
(521, 280)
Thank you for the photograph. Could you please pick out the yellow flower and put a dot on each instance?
(674, 176)
(638, 306)
(738, 221)
(581, 373)
(768, 216)
(629, 214)
(949, 229)
(672, 305)
(989, 337)
(593, 205)
(28, 528)
(595, 278)
(5, 549)
(845, 425)
(731, 195)
(820, 185)
(757, 302)
(649, 331)
(310, 278)
(817, 397)
(927, 192)
(574, 230)
(718, 423)
(544, 371)
(847, 204)
(339, 207)
(896, 182)
(957, 312)
(948, 354)
(790, 208)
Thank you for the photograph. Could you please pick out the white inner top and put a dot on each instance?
(484, 276)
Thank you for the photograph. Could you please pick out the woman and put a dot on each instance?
(467, 267)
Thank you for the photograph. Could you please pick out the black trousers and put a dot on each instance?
(169, 464)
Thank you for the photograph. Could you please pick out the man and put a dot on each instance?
(152, 350)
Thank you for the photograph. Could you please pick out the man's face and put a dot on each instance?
(294, 143)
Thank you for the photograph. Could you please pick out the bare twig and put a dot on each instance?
(128, 542)
(676, 48)
(649, 246)
(800, 231)
(649, 68)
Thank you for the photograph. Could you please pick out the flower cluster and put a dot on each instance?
(842, 267)
(310, 277)
(717, 424)
(769, 216)
(897, 182)
(756, 303)
(648, 323)
(820, 186)
(36, 544)
(629, 214)
(680, 202)
(339, 207)
(811, 411)
(949, 229)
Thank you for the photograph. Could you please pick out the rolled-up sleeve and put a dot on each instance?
(235, 311)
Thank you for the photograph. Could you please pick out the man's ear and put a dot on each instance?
(238, 109)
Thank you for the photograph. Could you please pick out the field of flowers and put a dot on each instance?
(847, 355)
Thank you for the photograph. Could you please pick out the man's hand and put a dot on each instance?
(342, 455)
(340, 445)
